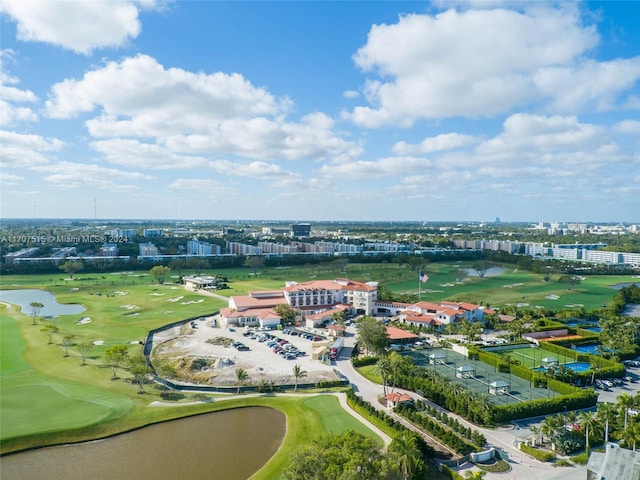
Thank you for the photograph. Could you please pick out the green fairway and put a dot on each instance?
(33, 403)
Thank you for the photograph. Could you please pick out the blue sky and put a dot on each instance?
(328, 110)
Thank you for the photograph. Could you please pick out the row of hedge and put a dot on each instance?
(466, 432)
(537, 454)
(444, 434)
(380, 419)
(364, 361)
(586, 398)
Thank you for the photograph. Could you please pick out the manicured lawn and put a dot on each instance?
(34, 403)
(49, 398)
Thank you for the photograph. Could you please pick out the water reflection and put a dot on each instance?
(227, 445)
(23, 299)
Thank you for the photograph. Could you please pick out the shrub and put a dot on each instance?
(537, 454)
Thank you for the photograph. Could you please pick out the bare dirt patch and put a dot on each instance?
(204, 354)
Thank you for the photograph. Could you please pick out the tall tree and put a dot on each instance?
(84, 348)
(159, 272)
(116, 356)
(67, 341)
(404, 451)
(471, 330)
(254, 262)
(372, 335)
(482, 268)
(50, 329)
(71, 268)
(398, 365)
(177, 264)
(625, 402)
(587, 421)
(347, 456)
(298, 373)
(242, 377)
(139, 370)
(35, 311)
(287, 313)
(383, 368)
(607, 414)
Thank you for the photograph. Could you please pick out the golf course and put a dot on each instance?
(49, 397)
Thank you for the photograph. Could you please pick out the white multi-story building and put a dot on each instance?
(320, 295)
(147, 249)
(198, 248)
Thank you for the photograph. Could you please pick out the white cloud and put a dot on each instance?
(485, 62)
(198, 185)
(628, 127)
(24, 150)
(10, 94)
(70, 175)
(368, 169)
(442, 142)
(10, 179)
(542, 134)
(136, 154)
(350, 94)
(77, 25)
(194, 113)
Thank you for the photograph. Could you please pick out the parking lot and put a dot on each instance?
(630, 387)
(260, 357)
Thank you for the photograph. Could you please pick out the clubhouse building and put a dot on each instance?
(317, 301)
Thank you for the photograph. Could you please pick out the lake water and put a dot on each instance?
(51, 308)
(227, 445)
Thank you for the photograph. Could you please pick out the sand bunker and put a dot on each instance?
(175, 299)
(98, 342)
(129, 307)
(552, 297)
(84, 320)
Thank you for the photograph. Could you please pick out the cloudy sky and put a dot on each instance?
(324, 110)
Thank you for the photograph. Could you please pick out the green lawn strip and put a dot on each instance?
(370, 374)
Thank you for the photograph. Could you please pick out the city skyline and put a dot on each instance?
(315, 111)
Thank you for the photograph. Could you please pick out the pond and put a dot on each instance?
(23, 298)
(227, 445)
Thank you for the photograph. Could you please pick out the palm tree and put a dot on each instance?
(383, 368)
(547, 428)
(298, 373)
(606, 413)
(242, 377)
(588, 421)
(625, 402)
(477, 475)
(536, 431)
(406, 454)
(631, 436)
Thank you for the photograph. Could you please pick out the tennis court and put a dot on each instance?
(533, 357)
(479, 377)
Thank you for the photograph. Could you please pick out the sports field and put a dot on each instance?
(481, 377)
(531, 357)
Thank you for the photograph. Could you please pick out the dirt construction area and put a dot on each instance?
(199, 353)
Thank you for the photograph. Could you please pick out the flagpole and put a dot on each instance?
(419, 285)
